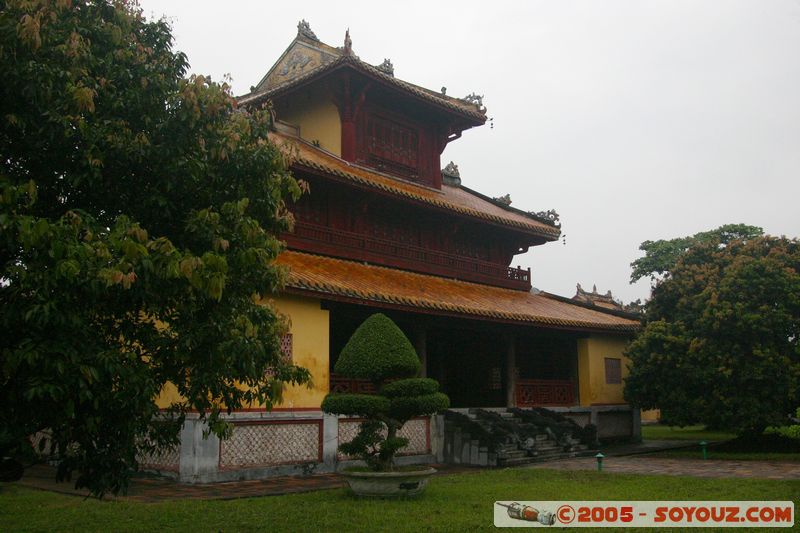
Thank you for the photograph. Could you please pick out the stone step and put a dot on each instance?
(549, 456)
(516, 462)
(548, 449)
(513, 454)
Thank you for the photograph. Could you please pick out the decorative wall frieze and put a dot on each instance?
(295, 64)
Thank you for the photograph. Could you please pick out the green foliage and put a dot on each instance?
(138, 217)
(378, 350)
(410, 387)
(372, 445)
(720, 340)
(790, 432)
(662, 255)
(363, 405)
(406, 408)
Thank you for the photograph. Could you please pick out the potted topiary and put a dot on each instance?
(379, 352)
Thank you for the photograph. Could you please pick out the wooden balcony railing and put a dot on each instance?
(349, 245)
(540, 392)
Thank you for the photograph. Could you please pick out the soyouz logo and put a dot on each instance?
(644, 514)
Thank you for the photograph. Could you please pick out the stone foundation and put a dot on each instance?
(279, 443)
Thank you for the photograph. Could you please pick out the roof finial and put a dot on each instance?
(450, 174)
(348, 44)
(386, 67)
(505, 199)
(304, 29)
(474, 99)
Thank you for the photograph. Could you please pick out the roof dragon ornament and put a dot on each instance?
(550, 216)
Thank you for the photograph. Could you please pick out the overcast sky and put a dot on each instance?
(634, 119)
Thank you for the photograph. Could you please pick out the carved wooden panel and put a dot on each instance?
(613, 367)
(535, 392)
(392, 146)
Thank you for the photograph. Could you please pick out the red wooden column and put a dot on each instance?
(421, 346)
(347, 114)
(511, 370)
(349, 139)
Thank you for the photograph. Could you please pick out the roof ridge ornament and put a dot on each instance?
(304, 29)
(475, 99)
(348, 43)
(550, 217)
(505, 199)
(451, 175)
(386, 67)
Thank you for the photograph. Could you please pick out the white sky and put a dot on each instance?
(634, 119)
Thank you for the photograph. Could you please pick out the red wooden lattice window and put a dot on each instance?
(392, 146)
(613, 371)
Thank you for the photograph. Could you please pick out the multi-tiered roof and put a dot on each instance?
(388, 226)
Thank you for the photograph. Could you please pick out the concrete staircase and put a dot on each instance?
(483, 439)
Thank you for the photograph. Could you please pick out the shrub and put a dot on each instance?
(380, 352)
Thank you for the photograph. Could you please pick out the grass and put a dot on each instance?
(695, 433)
(768, 447)
(459, 502)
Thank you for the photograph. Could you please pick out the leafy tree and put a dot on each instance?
(720, 340)
(660, 256)
(138, 217)
(379, 352)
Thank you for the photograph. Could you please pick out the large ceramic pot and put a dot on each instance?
(400, 483)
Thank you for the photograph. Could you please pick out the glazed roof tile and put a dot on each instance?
(381, 285)
(462, 107)
(458, 199)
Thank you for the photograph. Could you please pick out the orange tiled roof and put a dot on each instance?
(360, 282)
(452, 198)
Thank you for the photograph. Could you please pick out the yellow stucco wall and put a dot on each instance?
(591, 369)
(316, 115)
(651, 415)
(309, 327)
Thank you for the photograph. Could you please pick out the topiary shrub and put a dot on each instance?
(379, 352)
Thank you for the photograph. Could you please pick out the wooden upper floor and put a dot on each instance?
(369, 145)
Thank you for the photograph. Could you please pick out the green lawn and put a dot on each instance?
(768, 447)
(459, 502)
(696, 433)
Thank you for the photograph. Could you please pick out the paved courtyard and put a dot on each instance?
(642, 464)
(153, 489)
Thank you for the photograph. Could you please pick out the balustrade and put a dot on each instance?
(320, 239)
(542, 392)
